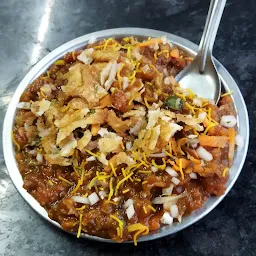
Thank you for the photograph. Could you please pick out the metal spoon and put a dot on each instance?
(201, 75)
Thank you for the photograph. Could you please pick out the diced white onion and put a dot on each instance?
(179, 190)
(102, 194)
(166, 199)
(239, 140)
(93, 198)
(165, 72)
(128, 145)
(158, 155)
(193, 175)
(130, 211)
(174, 211)
(154, 169)
(175, 181)
(127, 203)
(204, 154)
(91, 158)
(125, 82)
(194, 145)
(39, 157)
(202, 116)
(228, 121)
(167, 191)
(116, 199)
(192, 136)
(171, 172)
(167, 80)
(81, 200)
(198, 102)
(24, 105)
(167, 219)
(32, 152)
(145, 68)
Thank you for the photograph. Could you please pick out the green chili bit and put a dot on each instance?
(174, 102)
(92, 111)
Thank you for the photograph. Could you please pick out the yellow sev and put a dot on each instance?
(120, 223)
(121, 181)
(111, 190)
(113, 169)
(180, 169)
(162, 166)
(79, 183)
(65, 180)
(141, 230)
(225, 172)
(80, 226)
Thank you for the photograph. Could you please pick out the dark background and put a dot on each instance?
(29, 29)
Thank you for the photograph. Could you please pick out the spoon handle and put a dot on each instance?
(211, 27)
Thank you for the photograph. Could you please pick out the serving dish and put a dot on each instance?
(228, 84)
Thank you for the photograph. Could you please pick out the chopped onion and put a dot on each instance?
(193, 175)
(91, 158)
(179, 218)
(145, 68)
(116, 199)
(167, 80)
(127, 203)
(175, 181)
(24, 105)
(198, 102)
(239, 140)
(158, 155)
(179, 190)
(93, 198)
(165, 199)
(171, 172)
(174, 211)
(32, 152)
(125, 82)
(228, 121)
(80, 199)
(204, 154)
(130, 211)
(202, 116)
(154, 169)
(194, 145)
(165, 72)
(39, 157)
(128, 145)
(192, 136)
(167, 191)
(167, 219)
(102, 194)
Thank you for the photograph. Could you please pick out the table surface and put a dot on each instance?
(29, 29)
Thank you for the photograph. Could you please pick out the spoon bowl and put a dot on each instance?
(205, 84)
(201, 75)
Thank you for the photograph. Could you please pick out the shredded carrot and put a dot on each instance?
(232, 134)
(213, 141)
(150, 42)
(174, 166)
